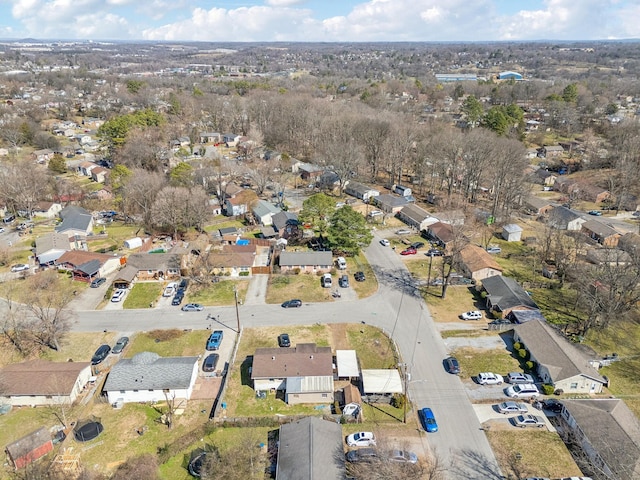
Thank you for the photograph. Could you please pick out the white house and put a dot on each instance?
(263, 211)
(363, 192)
(47, 209)
(147, 377)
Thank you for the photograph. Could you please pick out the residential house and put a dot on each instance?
(512, 232)
(630, 243)
(361, 191)
(100, 174)
(306, 262)
(51, 246)
(455, 218)
(310, 172)
(546, 177)
(29, 448)
(600, 232)
(310, 449)
(592, 193)
(75, 224)
(231, 262)
(537, 206)
(231, 139)
(608, 256)
(155, 266)
(531, 153)
(210, 137)
(476, 263)
(327, 180)
(504, 294)
(402, 190)
(86, 266)
(347, 365)
(240, 204)
(441, 234)
(263, 211)
(379, 385)
(550, 151)
(607, 432)
(558, 361)
(303, 372)
(416, 217)
(148, 377)
(566, 185)
(84, 168)
(284, 222)
(230, 190)
(42, 156)
(563, 218)
(389, 204)
(47, 209)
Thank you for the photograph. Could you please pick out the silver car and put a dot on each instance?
(524, 421)
(512, 407)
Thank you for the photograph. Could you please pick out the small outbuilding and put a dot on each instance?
(132, 243)
(512, 232)
(347, 364)
(29, 448)
(380, 385)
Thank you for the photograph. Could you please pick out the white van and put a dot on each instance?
(524, 390)
(342, 263)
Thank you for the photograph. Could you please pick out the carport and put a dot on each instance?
(347, 364)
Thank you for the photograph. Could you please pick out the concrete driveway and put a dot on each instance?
(489, 413)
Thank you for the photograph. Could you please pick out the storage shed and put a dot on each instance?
(379, 385)
(512, 232)
(133, 243)
(29, 448)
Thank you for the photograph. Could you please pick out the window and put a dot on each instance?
(122, 391)
(135, 391)
(324, 395)
(574, 386)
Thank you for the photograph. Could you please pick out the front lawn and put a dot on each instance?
(304, 286)
(217, 294)
(169, 343)
(473, 361)
(143, 295)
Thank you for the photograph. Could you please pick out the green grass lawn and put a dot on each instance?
(142, 295)
(370, 285)
(473, 361)
(306, 287)
(169, 343)
(374, 348)
(217, 294)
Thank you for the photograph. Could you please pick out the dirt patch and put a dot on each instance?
(206, 388)
(339, 339)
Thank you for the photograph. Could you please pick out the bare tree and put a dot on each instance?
(139, 193)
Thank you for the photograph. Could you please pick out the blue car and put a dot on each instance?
(215, 339)
(428, 420)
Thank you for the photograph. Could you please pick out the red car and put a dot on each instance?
(409, 251)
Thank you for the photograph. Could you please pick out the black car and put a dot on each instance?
(417, 245)
(284, 340)
(182, 287)
(210, 362)
(366, 455)
(97, 282)
(295, 303)
(120, 345)
(101, 354)
(434, 252)
(452, 365)
(359, 276)
(343, 281)
(500, 321)
(552, 405)
(177, 299)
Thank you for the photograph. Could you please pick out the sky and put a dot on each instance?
(320, 20)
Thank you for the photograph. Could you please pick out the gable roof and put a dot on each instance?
(613, 431)
(76, 221)
(149, 371)
(154, 261)
(27, 444)
(476, 258)
(389, 200)
(512, 228)
(537, 202)
(563, 215)
(415, 213)
(72, 210)
(506, 293)
(360, 188)
(294, 259)
(284, 218)
(562, 359)
(262, 208)
(309, 449)
(77, 258)
(40, 377)
(599, 228)
(443, 231)
(231, 259)
(52, 241)
(305, 359)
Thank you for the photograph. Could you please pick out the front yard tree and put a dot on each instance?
(348, 231)
(316, 210)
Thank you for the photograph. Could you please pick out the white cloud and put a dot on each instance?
(284, 3)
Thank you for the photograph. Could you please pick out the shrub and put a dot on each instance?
(522, 353)
(559, 392)
(530, 365)
(547, 389)
(398, 400)
(243, 274)
(296, 270)
(496, 314)
(517, 346)
(483, 295)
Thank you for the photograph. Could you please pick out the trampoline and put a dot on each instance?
(87, 430)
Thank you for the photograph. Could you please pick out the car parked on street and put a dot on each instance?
(214, 340)
(118, 295)
(524, 421)
(518, 377)
(428, 420)
(384, 242)
(284, 340)
(409, 251)
(471, 315)
(100, 355)
(489, 378)
(361, 439)
(210, 362)
(97, 282)
(19, 267)
(452, 365)
(192, 307)
(293, 303)
(120, 345)
(512, 407)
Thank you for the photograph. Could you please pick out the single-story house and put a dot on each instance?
(522, 316)
(41, 382)
(263, 211)
(310, 172)
(86, 266)
(363, 192)
(455, 218)
(303, 372)
(210, 137)
(546, 177)
(601, 233)
(100, 174)
(381, 384)
(148, 377)
(29, 448)
(609, 256)
(47, 209)
(76, 224)
(231, 139)
(440, 233)
(477, 263)
(537, 206)
(558, 361)
(51, 246)
(552, 150)
(608, 434)
(155, 266)
(306, 262)
(310, 449)
(565, 184)
(284, 222)
(592, 193)
(347, 364)
(512, 232)
(42, 156)
(416, 217)
(230, 262)
(563, 218)
(505, 294)
(630, 243)
(389, 203)
(240, 204)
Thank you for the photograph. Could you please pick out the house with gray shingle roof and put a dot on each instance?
(416, 217)
(51, 246)
(601, 233)
(558, 362)
(309, 262)
(148, 377)
(75, 224)
(389, 203)
(264, 211)
(361, 191)
(505, 294)
(537, 205)
(154, 266)
(563, 218)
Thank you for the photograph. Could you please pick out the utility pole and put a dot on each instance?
(235, 293)
(405, 374)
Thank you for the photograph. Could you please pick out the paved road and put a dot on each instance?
(397, 309)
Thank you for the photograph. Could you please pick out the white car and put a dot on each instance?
(170, 289)
(20, 267)
(494, 250)
(117, 295)
(351, 409)
(384, 242)
(525, 390)
(472, 315)
(403, 231)
(488, 378)
(518, 377)
(361, 439)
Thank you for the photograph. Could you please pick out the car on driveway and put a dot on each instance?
(19, 267)
(362, 455)
(117, 295)
(100, 355)
(361, 439)
(523, 390)
(192, 307)
(210, 362)
(596, 213)
(294, 303)
(452, 365)
(500, 321)
(359, 276)
(428, 420)
(97, 282)
(384, 242)
(434, 252)
(170, 289)
(402, 456)
(417, 245)
(409, 251)
(120, 345)
(343, 281)
(177, 299)
(284, 340)
(518, 377)
(471, 315)
(512, 407)
(403, 231)
(524, 421)
(214, 340)
(489, 378)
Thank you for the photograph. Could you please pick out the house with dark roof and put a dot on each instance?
(86, 266)
(440, 233)
(310, 172)
(505, 294)
(602, 233)
(155, 266)
(361, 191)
(303, 372)
(416, 217)
(51, 246)
(284, 222)
(476, 263)
(40, 382)
(537, 206)
(148, 377)
(310, 449)
(563, 218)
(307, 262)
(558, 361)
(607, 432)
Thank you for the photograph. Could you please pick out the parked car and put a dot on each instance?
(117, 295)
(409, 251)
(494, 250)
(359, 276)
(525, 390)
(524, 421)
(403, 231)
(182, 286)
(120, 345)
(294, 303)
(351, 409)
(1, 229)
(471, 315)
(326, 281)
(500, 321)
(434, 252)
(361, 439)
(596, 213)
(19, 267)
(177, 299)
(284, 340)
(362, 455)
(488, 378)
(170, 289)
(384, 242)
(214, 340)
(402, 456)
(97, 282)
(100, 355)
(428, 420)
(192, 307)
(452, 365)
(512, 407)
(552, 405)
(417, 245)
(341, 262)
(343, 281)
(210, 362)
(518, 377)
